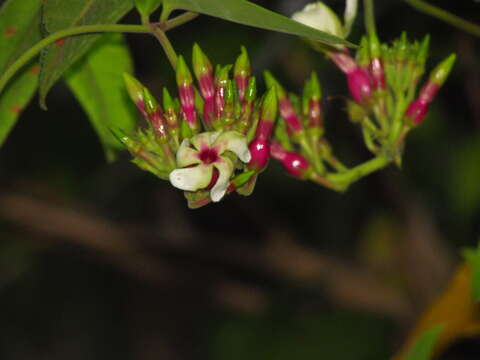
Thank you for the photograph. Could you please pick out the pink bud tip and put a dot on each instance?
(264, 130)
(377, 73)
(295, 164)
(187, 98)
(344, 61)
(260, 151)
(359, 85)
(315, 113)
(158, 124)
(141, 107)
(291, 118)
(428, 92)
(207, 86)
(417, 110)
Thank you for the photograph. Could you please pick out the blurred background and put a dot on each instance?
(104, 261)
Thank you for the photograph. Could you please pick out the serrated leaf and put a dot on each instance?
(473, 258)
(248, 13)
(146, 7)
(61, 14)
(97, 82)
(423, 348)
(19, 30)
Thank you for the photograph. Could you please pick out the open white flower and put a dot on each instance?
(321, 17)
(197, 162)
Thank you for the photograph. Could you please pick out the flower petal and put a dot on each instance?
(191, 179)
(235, 142)
(225, 169)
(205, 139)
(349, 15)
(321, 17)
(186, 156)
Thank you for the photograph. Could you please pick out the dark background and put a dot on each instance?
(104, 261)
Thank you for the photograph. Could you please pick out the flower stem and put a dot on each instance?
(445, 16)
(165, 43)
(360, 171)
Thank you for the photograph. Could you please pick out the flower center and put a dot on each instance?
(208, 155)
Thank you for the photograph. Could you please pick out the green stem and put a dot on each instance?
(352, 175)
(79, 30)
(445, 16)
(87, 29)
(165, 43)
(179, 20)
(369, 17)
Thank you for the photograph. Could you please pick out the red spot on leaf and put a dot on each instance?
(16, 109)
(10, 31)
(35, 69)
(60, 42)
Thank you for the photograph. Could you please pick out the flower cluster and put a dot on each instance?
(213, 139)
(216, 137)
(382, 80)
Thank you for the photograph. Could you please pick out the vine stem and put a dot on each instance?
(445, 16)
(89, 29)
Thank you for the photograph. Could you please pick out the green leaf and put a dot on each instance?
(247, 13)
(146, 7)
(60, 15)
(19, 30)
(423, 348)
(97, 82)
(473, 258)
(15, 98)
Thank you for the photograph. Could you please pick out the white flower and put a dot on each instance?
(321, 17)
(197, 163)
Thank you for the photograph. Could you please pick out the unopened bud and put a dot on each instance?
(260, 146)
(314, 104)
(204, 74)
(221, 81)
(242, 72)
(416, 112)
(377, 73)
(359, 85)
(260, 152)
(154, 115)
(296, 164)
(247, 106)
(268, 114)
(436, 79)
(186, 93)
(135, 91)
(285, 106)
(169, 107)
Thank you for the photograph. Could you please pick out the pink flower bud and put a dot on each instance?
(359, 85)
(291, 118)
(315, 113)
(295, 164)
(186, 93)
(417, 110)
(428, 92)
(260, 151)
(377, 73)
